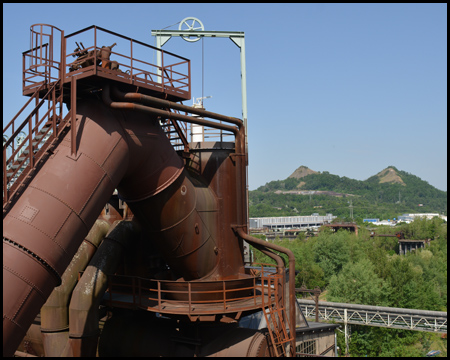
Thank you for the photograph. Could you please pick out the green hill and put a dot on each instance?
(388, 194)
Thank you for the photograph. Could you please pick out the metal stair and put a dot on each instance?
(27, 153)
(276, 317)
(176, 132)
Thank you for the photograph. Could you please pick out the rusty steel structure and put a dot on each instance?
(352, 227)
(121, 237)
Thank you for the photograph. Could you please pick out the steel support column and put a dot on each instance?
(237, 37)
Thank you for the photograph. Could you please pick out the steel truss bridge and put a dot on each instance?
(388, 317)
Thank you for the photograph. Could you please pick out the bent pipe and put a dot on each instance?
(163, 113)
(280, 270)
(86, 298)
(150, 100)
(278, 259)
(238, 132)
(44, 229)
(55, 312)
(290, 254)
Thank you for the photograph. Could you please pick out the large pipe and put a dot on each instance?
(290, 254)
(86, 298)
(55, 312)
(44, 229)
(240, 156)
(182, 222)
(162, 113)
(152, 101)
(239, 159)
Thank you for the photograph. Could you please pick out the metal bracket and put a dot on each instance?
(74, 157)
(233, 156)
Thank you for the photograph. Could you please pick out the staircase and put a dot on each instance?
(276, 317)
(30, 144)
(176, 132)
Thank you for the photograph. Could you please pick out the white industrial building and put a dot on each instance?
(291, 222)
(410, 217)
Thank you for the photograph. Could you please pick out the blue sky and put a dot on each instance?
(344, 88)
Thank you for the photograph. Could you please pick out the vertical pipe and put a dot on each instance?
(291, 257)
(73, 116)
(55, 312)
(87, 295)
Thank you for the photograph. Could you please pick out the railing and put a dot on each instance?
(192, 297)
(398, 318)
(34, 138)
(131, 61)
(176, 132)
(209, 134)
(49, 60)
(43, 57)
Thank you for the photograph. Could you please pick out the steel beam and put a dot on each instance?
(380, 316)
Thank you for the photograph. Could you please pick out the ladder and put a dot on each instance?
(275, 314)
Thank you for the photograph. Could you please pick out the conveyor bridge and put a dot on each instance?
(388, 317)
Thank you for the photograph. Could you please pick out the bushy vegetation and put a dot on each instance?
(368, 270)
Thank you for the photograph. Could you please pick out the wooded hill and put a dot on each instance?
(388, 194)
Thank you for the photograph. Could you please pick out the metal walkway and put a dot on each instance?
(388, 317)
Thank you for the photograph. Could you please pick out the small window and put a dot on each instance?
(306, 347)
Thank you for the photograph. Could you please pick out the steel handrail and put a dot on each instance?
(35, 146)
(165, 77)
(140, 290)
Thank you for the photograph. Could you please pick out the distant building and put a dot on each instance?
(385, 222)
(291, 222)
(371, 220)
(410, 217)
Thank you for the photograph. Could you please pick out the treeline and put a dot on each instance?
(371, 198)
(365, 270)
(270, 204)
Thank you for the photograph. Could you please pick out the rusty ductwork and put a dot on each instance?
(86, 297)
(55, 312)
(230, 198)
(190, 213)
(44, 229)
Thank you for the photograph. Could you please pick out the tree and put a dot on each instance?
(332, 252)
(357, 283)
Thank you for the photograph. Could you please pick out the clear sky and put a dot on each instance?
(344, 88)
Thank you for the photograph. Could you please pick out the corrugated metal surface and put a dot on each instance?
(290, 221)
